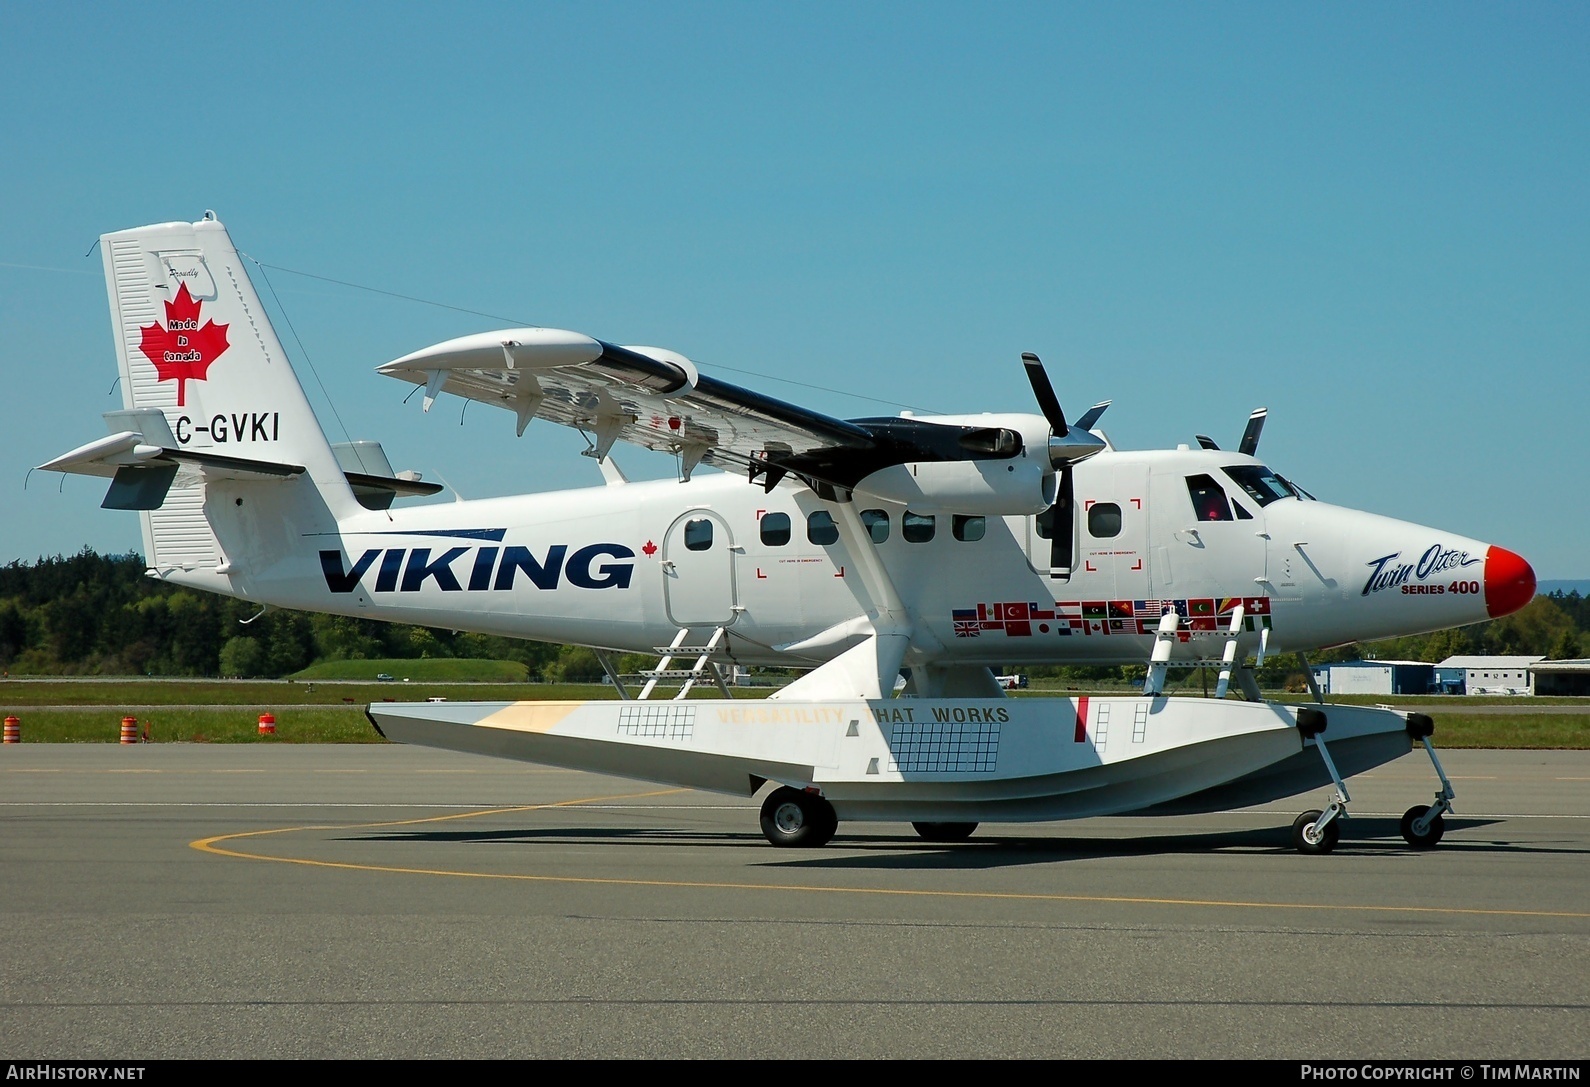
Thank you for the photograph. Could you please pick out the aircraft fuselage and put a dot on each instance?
(624, 567)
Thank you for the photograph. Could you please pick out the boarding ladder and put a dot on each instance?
(708, 661)
(1165, 640)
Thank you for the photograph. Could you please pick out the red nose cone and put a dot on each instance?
(1509, 582)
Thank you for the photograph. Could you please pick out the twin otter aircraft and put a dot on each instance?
(934, 548)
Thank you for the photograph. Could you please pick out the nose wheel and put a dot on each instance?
(792, 817)
(1420, 828)
(1317, 831)
(1312, 834)
(1422, 824)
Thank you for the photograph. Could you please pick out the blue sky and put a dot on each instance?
(1374, 219)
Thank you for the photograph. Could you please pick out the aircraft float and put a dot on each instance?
(864, 551)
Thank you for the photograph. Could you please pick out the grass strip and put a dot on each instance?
(223, 725)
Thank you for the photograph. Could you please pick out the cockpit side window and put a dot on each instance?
(1262, 485)
(1208, 499)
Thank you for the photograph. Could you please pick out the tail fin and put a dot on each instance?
(194, 343)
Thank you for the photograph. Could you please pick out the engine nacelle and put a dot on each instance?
(992, 488)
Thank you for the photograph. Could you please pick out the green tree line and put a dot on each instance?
(92, 614)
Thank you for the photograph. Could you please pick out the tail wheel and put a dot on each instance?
(1308, 837)
(791, 817)
(1432, 833)
(944, 832)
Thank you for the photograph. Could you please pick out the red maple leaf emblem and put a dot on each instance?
(650, 549)
(182, 351)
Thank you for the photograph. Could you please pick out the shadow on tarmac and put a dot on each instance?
(859, 850)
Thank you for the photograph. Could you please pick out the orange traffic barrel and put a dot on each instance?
(267, 724)
(13, 731)
(129, 730)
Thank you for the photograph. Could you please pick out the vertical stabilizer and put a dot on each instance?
(193, 341)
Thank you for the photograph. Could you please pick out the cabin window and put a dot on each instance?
(698, 535)
(916, 527)
(820, 528)
(1208, 499)
(1104, 520)
(876, 523)
(968, 529)
(775, 529)
(1045, 523)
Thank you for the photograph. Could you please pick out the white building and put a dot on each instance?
(1491, 675)
(1375, 677)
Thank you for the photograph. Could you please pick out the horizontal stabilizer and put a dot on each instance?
(142, 474)
(143, 464)
(377, 492)
(370, 474)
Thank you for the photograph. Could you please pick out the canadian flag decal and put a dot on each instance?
(182, 351)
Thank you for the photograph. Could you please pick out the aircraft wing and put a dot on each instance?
(656, 398)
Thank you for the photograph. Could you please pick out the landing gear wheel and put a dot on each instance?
(944, 832)
(1431, 836)
(791, 817)
(1307, 839)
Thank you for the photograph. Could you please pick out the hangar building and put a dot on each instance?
(1489, 675)
(1376, 677)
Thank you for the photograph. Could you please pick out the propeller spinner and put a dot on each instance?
(1067, 445)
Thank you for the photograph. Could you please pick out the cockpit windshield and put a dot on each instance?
(1263, 485)
(1299, 491)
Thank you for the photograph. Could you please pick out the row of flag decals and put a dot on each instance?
(1025, 619)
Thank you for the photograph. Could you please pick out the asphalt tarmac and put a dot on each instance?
(362, 901)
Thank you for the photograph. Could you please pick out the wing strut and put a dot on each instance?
(869, 669)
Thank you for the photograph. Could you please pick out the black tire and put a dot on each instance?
(792, 818)
(1302, 833)
(1429, 838)
(944, 832)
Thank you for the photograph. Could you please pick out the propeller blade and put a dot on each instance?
(1048, 402)
(1091, 416)
(1205, 441)
(1062, 528)
(1250, 436)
